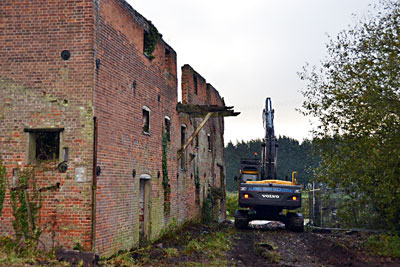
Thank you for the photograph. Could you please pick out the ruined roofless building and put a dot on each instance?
(88, 96)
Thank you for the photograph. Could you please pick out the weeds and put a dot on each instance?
(12, 254)
(268, 251)
(191, 243)
(2, 185)
(384, 245)
(171, 252)
(212, 245)
(231, 204)
(26, 203)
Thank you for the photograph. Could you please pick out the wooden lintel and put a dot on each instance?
(181, 151)
(228, 113)
(191, 108)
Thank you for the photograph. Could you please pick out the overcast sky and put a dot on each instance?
(252, 49)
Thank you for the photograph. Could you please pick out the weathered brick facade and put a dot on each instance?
(112, 193)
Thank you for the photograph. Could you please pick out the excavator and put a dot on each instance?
(261, 195)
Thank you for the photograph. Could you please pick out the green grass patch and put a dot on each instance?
(212, 245)
(13, 254)
(231, 204)
(385, 245)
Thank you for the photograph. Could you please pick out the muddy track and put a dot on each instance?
(265, 244)
(279, 247)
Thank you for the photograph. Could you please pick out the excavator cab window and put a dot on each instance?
(249, 174)
(249, 177)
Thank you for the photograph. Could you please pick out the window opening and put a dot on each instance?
(209, 142)
(183, 139)
(195, 84)
(167, 122)
(43, 144)
(146, 120)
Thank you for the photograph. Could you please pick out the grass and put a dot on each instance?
(190, 245)
(213, 245)
(13, 255)
(384, 245)
(231, 204)
(268, 251)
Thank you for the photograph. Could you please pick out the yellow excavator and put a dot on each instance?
(261, 195)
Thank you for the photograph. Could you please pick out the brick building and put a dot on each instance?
(87, 100)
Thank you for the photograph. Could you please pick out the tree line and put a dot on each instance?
(291, 156)
(355, 96)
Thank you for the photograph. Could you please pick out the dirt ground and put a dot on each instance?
(259, 245)
(275, 246)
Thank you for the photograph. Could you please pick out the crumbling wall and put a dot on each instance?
(80, 68)
(127, 82)
(208, 165)
(42, 87)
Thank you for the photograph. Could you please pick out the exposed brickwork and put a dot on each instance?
(107, 77)
(41, 90)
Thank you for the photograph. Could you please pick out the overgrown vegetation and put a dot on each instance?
(11, 254)
(167, 189)
(150, 40)
(210, 207)
(268, 251)
(232, 204)
(355, 95)
(26, 203)
(186, 245)
(2, 185)
(385, 245)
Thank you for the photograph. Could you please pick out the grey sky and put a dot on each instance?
(249, 50)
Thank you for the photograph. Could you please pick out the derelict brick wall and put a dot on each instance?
(207, 163)
(126, 81)
(40, 90)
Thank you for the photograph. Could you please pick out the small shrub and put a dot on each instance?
(171, 252)
(207, 211)
(78, 247)
(194, 246)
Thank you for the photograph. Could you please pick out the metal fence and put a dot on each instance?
(320, 205)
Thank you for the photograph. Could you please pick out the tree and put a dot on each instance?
(355, 95)
(292, 156)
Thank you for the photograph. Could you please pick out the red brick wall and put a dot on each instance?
(107, 77)
(126, 81)
(207, 161)
(38, 89)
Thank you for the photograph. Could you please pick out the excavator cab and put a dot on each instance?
(249, 170)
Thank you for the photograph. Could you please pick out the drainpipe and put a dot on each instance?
(94, 186)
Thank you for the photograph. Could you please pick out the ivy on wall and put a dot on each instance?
(150, 40)
(25, 208)
(167, 189)
(2, 185)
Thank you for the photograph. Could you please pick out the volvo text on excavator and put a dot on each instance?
(261, 195)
